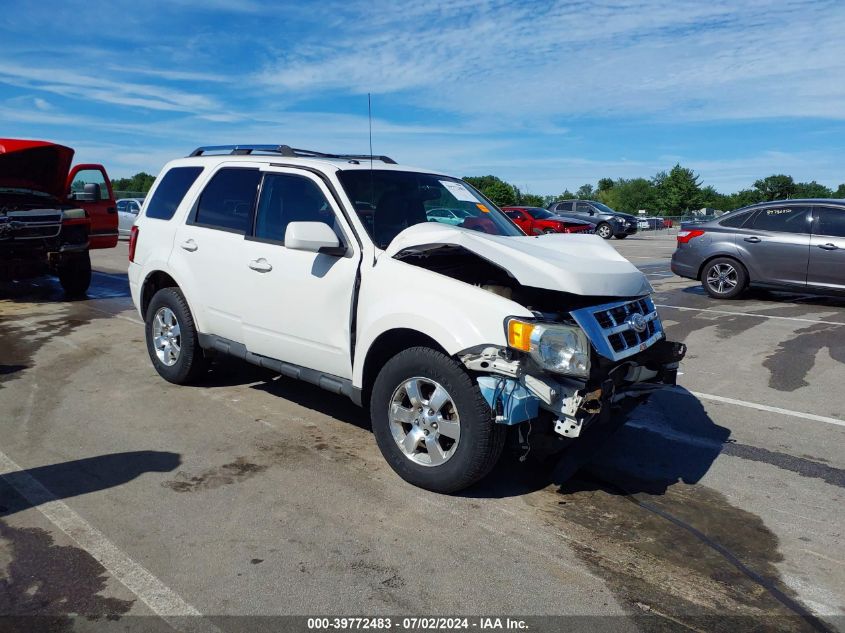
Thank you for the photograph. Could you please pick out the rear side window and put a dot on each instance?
(170, 191)
(830, 221)
(228, 199)
(736, 220)
(564, 206)
(287, 198)
(785, 219)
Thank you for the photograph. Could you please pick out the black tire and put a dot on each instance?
(604, 230)
(712, 269)
(548, 231)
(621, 236)
(75, 274)
(191, 363)
(481, 439)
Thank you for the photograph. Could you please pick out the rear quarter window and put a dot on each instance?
(228, 200)
(170, 191)
(735, 221)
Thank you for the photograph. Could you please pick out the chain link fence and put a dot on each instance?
(129, 194)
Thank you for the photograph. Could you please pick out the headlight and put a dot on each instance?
(564, 349)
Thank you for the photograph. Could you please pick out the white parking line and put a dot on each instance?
(749, 314)
(767, 408)
(162, 600)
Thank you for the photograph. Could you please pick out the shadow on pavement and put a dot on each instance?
(19, 492)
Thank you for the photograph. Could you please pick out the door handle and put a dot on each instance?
(753, 240)
(829, 247)
(189, 245)
(261, 265)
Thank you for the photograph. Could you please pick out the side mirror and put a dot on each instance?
(314, 237)
(92, 189)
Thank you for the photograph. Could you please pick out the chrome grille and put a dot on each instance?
(619, 330)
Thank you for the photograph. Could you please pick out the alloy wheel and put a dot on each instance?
(424, 421)
(167, 336)
(722, 278)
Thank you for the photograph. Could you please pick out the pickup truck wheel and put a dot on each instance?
(604, 231)
(75, 274)
(172, 340)
(724, 278)
(431, 422)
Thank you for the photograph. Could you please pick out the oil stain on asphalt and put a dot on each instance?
(682, 559)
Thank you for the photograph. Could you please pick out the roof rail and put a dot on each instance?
(282, 150)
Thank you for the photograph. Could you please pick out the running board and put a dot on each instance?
(328, 382)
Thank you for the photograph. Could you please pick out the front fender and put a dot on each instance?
(398, 295)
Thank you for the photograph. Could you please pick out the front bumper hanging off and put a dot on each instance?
(520, 397)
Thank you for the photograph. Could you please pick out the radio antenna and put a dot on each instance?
(370, 118)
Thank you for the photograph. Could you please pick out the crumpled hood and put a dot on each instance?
(36, 165)
(579, 264)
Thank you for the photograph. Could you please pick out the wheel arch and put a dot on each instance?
(155, 281)
(385, 347)
(732, 257)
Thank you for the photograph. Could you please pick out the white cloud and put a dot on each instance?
(686, 60)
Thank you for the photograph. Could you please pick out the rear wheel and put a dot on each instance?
(172, 341)
(75, 274)
(547, 231)
(604, 231)
(431, 422)
(724, 278)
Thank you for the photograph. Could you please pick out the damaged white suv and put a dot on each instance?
(334, 269)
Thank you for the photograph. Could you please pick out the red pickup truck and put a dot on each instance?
(52, 215)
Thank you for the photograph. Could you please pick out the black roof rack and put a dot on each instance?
(282, 150)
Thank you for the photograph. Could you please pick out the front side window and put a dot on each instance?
(287, 198)
(170, 191)
(781, 219)
(228, 199)
(89, 177)
(583, 207)
(830, 221)
(390, 201)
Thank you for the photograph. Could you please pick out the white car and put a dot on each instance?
(127, 211)
(324, 267)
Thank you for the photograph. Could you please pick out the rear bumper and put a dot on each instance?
(683, 268)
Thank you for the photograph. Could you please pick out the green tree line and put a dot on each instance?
(667, 193)
(140, 183)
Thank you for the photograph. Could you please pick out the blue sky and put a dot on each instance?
(547, 95)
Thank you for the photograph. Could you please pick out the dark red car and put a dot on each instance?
(535, 221)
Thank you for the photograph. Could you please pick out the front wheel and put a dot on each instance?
(604, 231)
(431, 422)
(724, 278)
(75, 274)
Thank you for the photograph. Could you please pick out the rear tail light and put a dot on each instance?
(685, 235)
(133, 242)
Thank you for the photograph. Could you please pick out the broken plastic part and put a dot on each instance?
(516, 402)
(568, 427)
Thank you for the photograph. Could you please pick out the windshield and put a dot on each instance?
(603, 207)
(540, 214)
(389, 201)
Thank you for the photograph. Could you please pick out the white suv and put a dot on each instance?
(326, 268)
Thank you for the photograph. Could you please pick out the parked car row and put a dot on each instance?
(609, 223)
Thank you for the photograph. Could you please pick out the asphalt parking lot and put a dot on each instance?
(251, 494)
